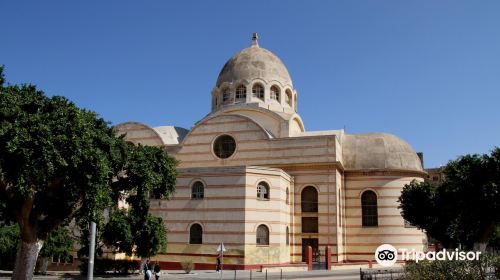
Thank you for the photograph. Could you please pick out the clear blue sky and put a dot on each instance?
(427, 71)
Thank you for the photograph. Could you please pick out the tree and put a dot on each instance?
(117, 233)
(465, 208)
(136, 231)
(495, 240)
(141, 236)
(9, 238)
(58, 243)
(2, 77)
(59, 162)
(419, 206)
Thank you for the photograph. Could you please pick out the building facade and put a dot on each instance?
(435, 176)
(252, 176)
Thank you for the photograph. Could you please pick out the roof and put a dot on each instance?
(379, 151)
(254, 62)
(171, 135)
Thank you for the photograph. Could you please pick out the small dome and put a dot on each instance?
(379, 151)
(254, 62)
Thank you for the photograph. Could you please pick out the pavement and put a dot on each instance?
(343, 274)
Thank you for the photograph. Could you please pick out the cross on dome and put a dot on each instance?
(255, 39)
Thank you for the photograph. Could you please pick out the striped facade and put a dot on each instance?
(273, 148)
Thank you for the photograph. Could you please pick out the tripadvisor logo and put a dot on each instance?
(387, 255)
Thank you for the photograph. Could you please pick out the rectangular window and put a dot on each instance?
(309, 224)
(370, 216)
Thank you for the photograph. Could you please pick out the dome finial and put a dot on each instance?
(255, 39)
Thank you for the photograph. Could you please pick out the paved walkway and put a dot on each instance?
(344, 274)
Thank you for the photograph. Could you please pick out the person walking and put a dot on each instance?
(147, 270)
(156, 270)
(217, 265)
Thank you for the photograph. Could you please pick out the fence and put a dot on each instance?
(380, 274)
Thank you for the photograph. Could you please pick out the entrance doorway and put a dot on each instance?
(318, 258)
(313, 242)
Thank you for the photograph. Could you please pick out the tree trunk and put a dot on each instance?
(44, 264)
(141, 268)
(480, 246)
(27, 253)
(484, 238)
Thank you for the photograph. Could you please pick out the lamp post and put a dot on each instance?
(90, 272)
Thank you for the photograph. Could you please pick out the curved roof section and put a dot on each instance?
(223, 118)
(254, 63)
(277, 124)
(171, 135)
(139, 133)
(379, 151)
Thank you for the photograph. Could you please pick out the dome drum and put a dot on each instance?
(258, 91)
(255, 76)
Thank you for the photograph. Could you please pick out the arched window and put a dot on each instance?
(262, 235)
(309, 199)
(263, 191)
(287, 236)
(226, 96)
(258, 91)
(195, 234)
(275, 93)
(369, 209)
(288, 97)
(296, 103)
(241, 93)
(287, 196)
(197, 190)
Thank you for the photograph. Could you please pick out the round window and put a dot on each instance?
(224, 146)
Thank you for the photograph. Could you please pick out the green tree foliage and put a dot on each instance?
(142, 236)
(495, 241)
(118, 234)
(486, 268)
(2, 77)
(465, 208)
(9, 238)
(135, 231)
(58, 243)
(151, 237)
(59, 162)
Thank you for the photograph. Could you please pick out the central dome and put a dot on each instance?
(255, 77)
(254, 63)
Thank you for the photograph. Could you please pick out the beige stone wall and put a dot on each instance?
(230, 212)
(325, 181)
(340, 210)
(274, 213)
(221, 213)
(254, 146)
(361, 242)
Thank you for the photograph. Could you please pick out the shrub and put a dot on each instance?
(103, 266)
(187, 266)
(487, 267)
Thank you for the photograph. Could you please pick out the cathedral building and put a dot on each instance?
(251, 176)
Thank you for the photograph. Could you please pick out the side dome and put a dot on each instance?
(379, 151)
(254, 63)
